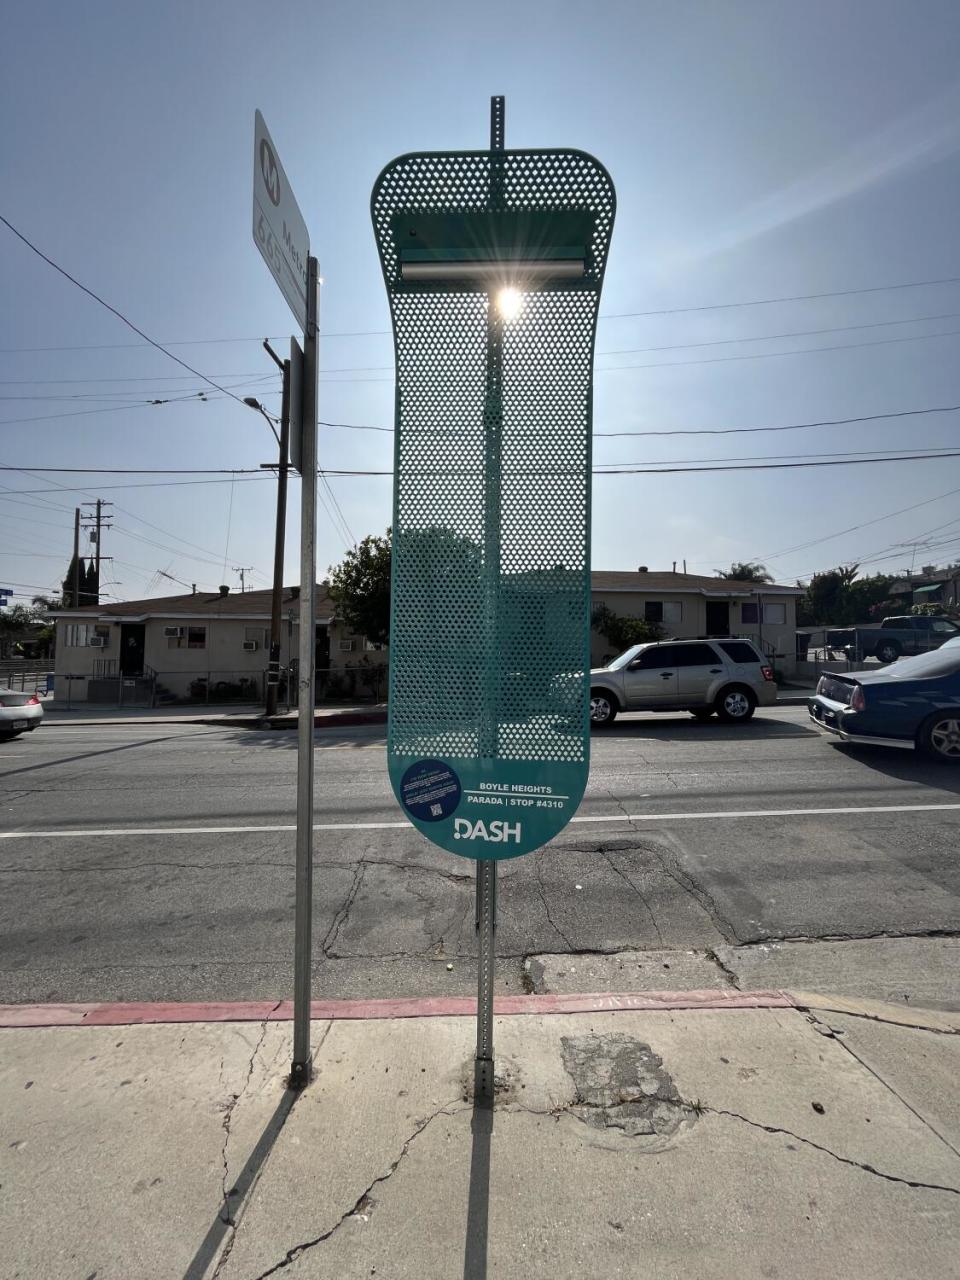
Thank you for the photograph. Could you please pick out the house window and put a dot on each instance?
(76, 634)
(258, 634)
(196, 637)
(670, 611)
(774, 614)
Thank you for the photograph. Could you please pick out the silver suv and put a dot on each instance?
(728, 678)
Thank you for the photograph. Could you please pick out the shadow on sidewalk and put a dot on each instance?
(478, 1202)
(226, 1218)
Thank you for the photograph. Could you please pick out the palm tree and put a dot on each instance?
(746, 571)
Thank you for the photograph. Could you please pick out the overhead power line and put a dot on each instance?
(119, 314)
(712, 431)
(794, 297)
(606, 315)
(793, 333)
(889, 515)
(674, 470)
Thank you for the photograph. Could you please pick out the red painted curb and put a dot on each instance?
(134, 1014)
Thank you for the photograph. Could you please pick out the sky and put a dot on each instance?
(759, 151)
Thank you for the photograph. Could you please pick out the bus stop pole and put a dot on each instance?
(300, 1069)
(483, 1083)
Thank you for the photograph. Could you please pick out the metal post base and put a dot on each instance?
(486, 958)
(301, 1073)
(483, 1082)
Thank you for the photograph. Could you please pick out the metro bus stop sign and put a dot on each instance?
(493, 262)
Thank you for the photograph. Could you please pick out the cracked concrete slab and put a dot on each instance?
(372, 1093)
(750, 1079)
(624, 971)
(770, 1187)
(916, 971)
(733, 1202)
(120, 1144)
(920, 1067)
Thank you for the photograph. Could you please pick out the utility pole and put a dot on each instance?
(75, 602)
(94, 522)
(276, 604)
(243, 576)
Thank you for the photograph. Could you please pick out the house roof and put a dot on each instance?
(682, 583)
(203, 604)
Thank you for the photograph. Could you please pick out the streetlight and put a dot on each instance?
(276, 602)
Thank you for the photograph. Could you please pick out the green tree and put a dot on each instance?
(838, 598)
(746, 571)
(623, 632)
(360, 588)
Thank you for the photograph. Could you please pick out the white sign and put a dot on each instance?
(279, 230)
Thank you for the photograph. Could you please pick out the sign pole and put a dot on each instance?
(483, 1084)
(300, 1069)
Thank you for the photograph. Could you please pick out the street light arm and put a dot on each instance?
(251, 403)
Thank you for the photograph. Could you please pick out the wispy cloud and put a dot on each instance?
(923, 136)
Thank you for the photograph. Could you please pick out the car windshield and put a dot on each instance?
(944, 661)
(619, 663)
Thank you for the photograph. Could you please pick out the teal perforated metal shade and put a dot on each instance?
(488, 744)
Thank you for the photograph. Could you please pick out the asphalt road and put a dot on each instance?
(156, 862)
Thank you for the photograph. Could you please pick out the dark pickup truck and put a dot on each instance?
(893, 638)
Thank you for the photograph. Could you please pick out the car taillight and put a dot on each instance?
(33, 702)
(857, 701)
(767, 673)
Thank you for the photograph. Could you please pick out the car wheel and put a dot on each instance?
(735, 704)
(603, 708)
(889, 651)
(939, 737)
(703, 713)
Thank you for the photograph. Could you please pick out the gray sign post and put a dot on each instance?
(280, 233)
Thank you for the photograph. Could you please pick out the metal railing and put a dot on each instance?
(26, 677)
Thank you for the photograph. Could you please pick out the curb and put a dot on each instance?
(123, 1014)
(333, 719)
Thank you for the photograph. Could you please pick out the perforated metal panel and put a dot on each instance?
(489, 644)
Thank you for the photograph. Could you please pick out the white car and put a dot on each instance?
(19, 713)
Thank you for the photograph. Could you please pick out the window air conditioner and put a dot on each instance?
(346, 646)
(250, 646)
(172, 633)
(97, 642)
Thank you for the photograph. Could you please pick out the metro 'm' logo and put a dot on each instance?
(494, 832)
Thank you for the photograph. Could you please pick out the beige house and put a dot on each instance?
(687, 606)
(215, 646)
(200, 646)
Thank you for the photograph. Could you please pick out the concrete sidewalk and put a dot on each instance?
(682, 1136)
(244, 717)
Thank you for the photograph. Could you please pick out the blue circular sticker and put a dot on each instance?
(430, 790)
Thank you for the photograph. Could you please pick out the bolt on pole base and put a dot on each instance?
(483, 1082)
(301, 1073)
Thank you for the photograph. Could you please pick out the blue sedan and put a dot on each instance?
(913, 703)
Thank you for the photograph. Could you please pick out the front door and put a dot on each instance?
(132, 645)
(651, 679)
(718, 617)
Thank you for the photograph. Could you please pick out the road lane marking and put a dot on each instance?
(719, 814)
